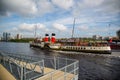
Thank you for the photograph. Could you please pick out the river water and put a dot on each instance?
(91, 66)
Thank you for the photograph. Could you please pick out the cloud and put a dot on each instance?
(110, 7)
(83, 27)
(66, 20)
(59, 27)
(96, 7)
(65, 4)
(90, 20)
(92, 2)
(25, 7)
(44, 6)
(26, 27)
(41, 7)
(92, 16)
(81, 6)
(31, 27)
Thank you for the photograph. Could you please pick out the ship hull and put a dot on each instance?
(86, 49)
(90, 51)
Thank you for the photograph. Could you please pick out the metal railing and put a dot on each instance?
(22, 68)
(69, 72)
(27, 67)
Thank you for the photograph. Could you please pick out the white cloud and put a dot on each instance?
(110, 7)
(82, 6)
(86, 20)
(44, 6)
(65, 4)
(31, 27)
(91, 15)
(92, 2)
(59, 27)
(40, 26)
(96, 7)
(66, 20)
(83, 27)
(41, 7)
(26, 27)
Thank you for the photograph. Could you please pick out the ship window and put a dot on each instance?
(68, 47)
(73, 47)
(76, 48)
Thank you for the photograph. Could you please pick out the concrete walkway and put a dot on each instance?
(5, 75)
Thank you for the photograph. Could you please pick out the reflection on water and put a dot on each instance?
(91, 66)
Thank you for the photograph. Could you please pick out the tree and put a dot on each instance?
(118, 34)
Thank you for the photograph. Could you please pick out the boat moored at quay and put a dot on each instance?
(71, 45)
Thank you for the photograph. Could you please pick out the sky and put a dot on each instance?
(92, 17)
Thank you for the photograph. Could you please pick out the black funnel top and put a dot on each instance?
(46, 35)
(53, 34)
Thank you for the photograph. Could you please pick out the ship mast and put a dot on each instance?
(73, 28)
(35, 31)
(109, 30)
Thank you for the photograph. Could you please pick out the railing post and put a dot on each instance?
(58, 62)
(51, 77)
(4, 61)
(10, 67)
(74, 69)
(65, 74)
(55, 62)
(42, 67)
(24, 73)
(65, 61)
(21, 76)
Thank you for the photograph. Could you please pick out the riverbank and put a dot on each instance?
(23, 40)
